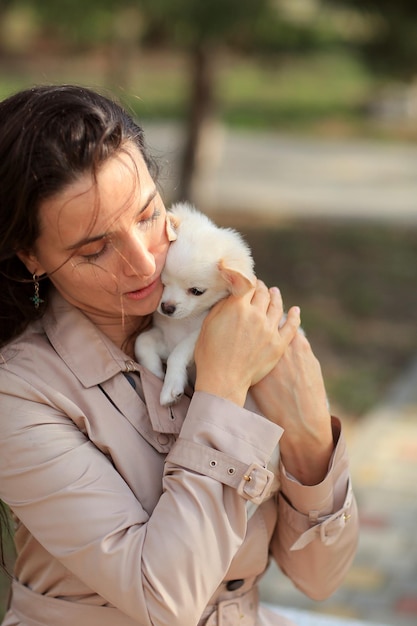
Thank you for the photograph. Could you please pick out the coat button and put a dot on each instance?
(232, 585)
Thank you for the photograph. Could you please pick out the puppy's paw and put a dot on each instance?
(171, 393)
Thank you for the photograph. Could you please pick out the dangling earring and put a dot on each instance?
(36, 299)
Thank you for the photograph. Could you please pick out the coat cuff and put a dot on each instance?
(228, 443)
(327, 528)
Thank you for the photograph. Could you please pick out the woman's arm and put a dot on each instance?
(293, 395)
(317, 532)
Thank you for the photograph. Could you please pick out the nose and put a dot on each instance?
(167, 308)
(138, 258)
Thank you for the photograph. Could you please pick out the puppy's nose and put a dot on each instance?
(168, 309)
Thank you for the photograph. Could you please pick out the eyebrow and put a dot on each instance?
(86, 240)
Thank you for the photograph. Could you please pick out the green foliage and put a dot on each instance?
(188, 23)
(390, 46)
(263, 26)
(77, 22)
(387, 39)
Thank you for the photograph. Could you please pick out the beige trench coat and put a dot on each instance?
(130, 513)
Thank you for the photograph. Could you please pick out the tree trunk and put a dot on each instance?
(199, 121)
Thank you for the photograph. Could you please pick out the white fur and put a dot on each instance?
(204, 257)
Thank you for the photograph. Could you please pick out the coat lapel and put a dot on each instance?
(108, 367)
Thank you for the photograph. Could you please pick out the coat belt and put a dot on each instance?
(238, 611)
(33, 609)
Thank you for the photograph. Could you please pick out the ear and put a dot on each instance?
(239, 282)
(171, 226)
(31, 262)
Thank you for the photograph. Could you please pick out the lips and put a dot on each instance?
(144, 292)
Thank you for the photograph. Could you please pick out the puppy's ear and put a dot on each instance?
(171, 226)
(239, 282)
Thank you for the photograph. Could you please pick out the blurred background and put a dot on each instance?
(294, 121)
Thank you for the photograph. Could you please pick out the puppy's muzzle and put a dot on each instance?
(167, 308)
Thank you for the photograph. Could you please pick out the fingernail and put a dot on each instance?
(275, 290)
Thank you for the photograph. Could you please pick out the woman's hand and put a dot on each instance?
(293, 396)
(239, 343)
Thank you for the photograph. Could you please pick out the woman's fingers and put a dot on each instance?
(241, 340)
(270, 297)
(276, 298)
(288, 324)
(291, 324)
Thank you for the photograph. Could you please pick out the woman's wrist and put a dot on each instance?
(308, 461)
(222, 388)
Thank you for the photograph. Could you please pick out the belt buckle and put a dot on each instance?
(229, 612)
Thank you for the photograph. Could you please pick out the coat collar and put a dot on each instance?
(89, 354)
(95, 361)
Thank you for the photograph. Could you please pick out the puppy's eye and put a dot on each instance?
(194, 291)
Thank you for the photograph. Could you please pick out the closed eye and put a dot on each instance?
(194, 291)
(97, 248)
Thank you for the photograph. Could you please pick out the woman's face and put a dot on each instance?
(103, 243)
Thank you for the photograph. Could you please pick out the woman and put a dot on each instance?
(126, 512)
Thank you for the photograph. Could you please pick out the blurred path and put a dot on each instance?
(284, 176)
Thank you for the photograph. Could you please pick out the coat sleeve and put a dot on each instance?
(316, 537)
(159, 568)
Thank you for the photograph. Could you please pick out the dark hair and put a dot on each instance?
(49, 136)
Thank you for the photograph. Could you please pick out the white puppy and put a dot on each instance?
(204, 264)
